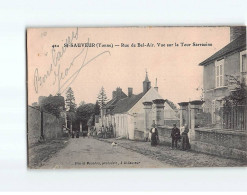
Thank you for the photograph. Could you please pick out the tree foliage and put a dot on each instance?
(82, 103)
(102, 98)
(84, 113)
(91, 121)
(70, 100)
(53, 104)
(97, 108)
(238, 95)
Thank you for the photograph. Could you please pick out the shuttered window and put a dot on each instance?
(219, 73)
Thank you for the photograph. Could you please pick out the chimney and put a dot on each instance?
(156, 87)
(130, 92)
(236, 31)
(119, 92)
(114, 94)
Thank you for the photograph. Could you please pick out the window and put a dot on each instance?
(243, 61)
(219, 73)
(243, 65)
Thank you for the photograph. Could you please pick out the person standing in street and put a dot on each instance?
(154, 136)
(103, 131)
(185, 138)
(175, 135)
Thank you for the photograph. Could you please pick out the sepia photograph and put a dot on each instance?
(136, 97)
(129, 96)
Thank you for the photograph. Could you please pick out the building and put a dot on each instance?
(228, 61)
(107, 110)
(132, 116)
(223, 72)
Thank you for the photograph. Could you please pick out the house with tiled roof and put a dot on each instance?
(117, 95)
(107, 110)
(133, 115)
(228, 61)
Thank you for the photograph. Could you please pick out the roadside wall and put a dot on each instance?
(165, 135)
(170, 122)
(33, 125)
(52, 126)
(225, 143)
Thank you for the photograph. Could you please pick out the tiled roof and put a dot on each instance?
(110, 105)
(235, 45)
(126, 104)
(111, 102)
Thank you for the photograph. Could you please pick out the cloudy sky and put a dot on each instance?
(175, 67)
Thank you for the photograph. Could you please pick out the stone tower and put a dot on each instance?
(146, 84)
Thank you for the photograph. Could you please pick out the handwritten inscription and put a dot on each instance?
(64, 78)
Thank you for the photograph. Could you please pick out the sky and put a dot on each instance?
(176, 67)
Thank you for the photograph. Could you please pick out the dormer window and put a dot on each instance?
(219, 73)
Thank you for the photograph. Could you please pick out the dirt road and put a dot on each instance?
(91, 153)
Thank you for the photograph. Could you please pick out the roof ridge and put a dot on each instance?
(230, 47)
(127, 103)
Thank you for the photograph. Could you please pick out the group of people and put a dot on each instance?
(175, 135)
(73, 133)
(105, 132)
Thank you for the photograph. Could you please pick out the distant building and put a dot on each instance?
(230, 60)
(132, 116)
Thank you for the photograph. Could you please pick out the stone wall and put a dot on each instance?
(165, 135)
(33, 125)
(139, 135)
(52, 126)
(230, 144)
(170, 122)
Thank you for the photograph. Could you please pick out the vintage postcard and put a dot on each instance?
(136, 97)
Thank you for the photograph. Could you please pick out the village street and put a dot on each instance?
(91, 153)
(176, 158)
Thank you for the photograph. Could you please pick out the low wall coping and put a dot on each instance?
(139, 130)
(229, 132)
(164, 127)
(183, 103)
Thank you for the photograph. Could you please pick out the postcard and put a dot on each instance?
(136, 97)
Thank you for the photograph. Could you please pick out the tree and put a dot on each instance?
(70, 101)
(91, 121)
(234, 105)
(82, 103)
(102, 98)
(53, 104)
(84, 113)
(238, 94)
(97, 108)
(70, 107)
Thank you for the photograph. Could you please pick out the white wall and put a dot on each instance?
(125, 122)
(151, 95)
(122, 125)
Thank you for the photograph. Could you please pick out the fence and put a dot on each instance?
(234, 117)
